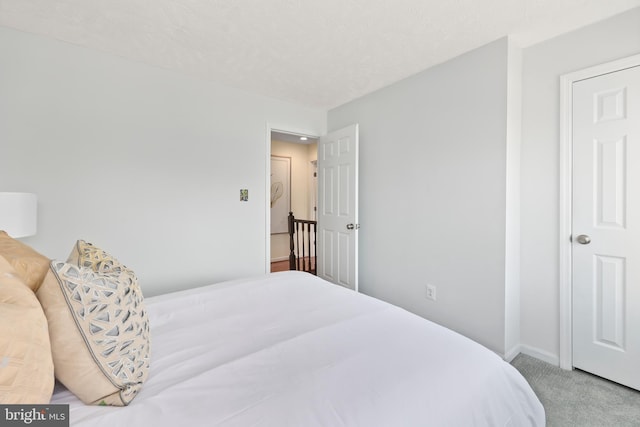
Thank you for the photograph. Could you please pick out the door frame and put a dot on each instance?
(313, 189)
(565, 352)
(267, 194)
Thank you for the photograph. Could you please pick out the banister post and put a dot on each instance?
(292, 255)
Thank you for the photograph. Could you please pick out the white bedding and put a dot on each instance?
(288, 349)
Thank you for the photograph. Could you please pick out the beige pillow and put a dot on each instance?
(98, 326)
(26, 367)
(29, 264)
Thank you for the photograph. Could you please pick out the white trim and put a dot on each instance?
(511, 354)
(565, 357)
(313, 189)
(282, 258)
(267, 182)
(566, 94)
(267, 200)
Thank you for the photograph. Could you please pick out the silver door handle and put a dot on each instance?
(353, 226)
(583, 239)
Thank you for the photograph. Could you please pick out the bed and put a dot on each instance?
(289, 349)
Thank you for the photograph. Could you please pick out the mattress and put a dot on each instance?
(289, 349)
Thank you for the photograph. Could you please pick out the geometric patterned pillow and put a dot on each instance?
(87, 255)
(98, 325)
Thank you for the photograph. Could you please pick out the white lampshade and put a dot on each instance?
(18, 214)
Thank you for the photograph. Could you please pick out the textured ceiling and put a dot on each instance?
(319, 53)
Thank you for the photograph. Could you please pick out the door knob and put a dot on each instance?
(583, 239)
(353, 226)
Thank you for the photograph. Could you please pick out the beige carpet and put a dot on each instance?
(576, 398)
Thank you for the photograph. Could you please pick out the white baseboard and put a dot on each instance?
(543, 355)
(511, 354)
(282, 258)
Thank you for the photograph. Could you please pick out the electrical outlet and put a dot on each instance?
(431, 292)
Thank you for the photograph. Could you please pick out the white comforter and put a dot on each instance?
(289, 349)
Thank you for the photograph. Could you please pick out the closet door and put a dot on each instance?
(606, 226)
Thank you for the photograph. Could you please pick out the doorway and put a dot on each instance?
(600, 221)
(295, 155)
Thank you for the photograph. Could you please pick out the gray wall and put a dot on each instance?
(143, 162)
(543, 64)
(148, 164)
(433, 206)
(433, 191)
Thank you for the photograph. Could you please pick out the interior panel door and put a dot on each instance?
(338, 207)
(606, 226)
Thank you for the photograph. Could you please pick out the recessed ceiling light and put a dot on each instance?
(303, 138)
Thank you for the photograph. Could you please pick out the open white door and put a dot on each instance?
(606, 226)
(338, 205)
